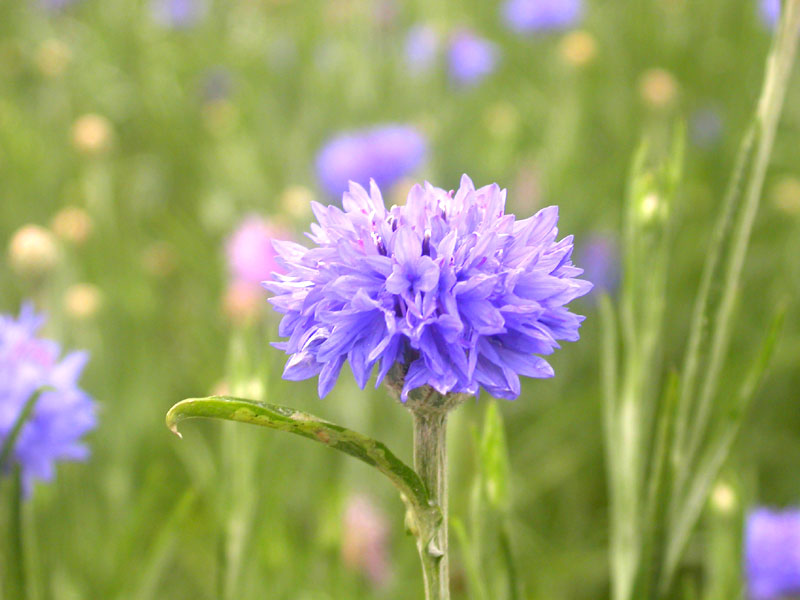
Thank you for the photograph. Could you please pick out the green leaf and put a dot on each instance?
(357, 445)
(494, 459)
(716, 452)
(475, 586)
(163, 548)
(13, 582)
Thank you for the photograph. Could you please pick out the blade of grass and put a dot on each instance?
(779, 68)
(715, 455)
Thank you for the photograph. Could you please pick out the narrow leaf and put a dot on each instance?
(717, 451)
(282, 418)
(476, 586)
(494, 459)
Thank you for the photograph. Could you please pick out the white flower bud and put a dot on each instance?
(72, 224)
(723, 498)
(82, 301)
(91, 134)
(32, 251)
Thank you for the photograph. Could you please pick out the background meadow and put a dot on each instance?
(166, 123)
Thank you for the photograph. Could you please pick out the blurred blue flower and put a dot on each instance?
(705, 127)
(458, 292)
(385, 153)
(770, 11)
(600, 259)
(178, 14)
(772, 553)
(56, 4)
(525, 16)
(421, 48)
(60, 417)
(471, 58)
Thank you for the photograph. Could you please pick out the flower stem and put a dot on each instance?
(430, 462)
(14, 564)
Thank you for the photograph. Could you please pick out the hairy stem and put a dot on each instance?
(430, 462)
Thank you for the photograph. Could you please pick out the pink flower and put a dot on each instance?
(251, 257)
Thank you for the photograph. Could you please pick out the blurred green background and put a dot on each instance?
(167, 136)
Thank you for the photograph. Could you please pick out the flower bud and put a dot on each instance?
(91, 134)
(658, 88)
(82, 301)
(723, 498)
(650, 207)
(578, 48)
(32, 251)
(72, 224)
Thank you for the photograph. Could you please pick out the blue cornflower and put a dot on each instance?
(56, 5)
(61, 416)
(772, 553)
(421, 48)
(525, 16)
(178, 14)
(386, 154)
(471, 58)
(450, 287)
(770, 12)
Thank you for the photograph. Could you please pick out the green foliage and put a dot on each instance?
(282, 418)
(494, 460)
(656, 503)
(148, 517)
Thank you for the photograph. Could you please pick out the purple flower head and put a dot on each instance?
(251, 256)
(60, 417)
(56, 4)
(449, 286)
(772, 553)
(770, 12)
(178, 14)
(525, 16)
(421, 48)
(386, 154)
(600, 259)
(472, 58)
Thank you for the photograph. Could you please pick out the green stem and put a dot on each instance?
(514, 583)
(779, 68)
(430, 462)
(14, 575)
(7, 450)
